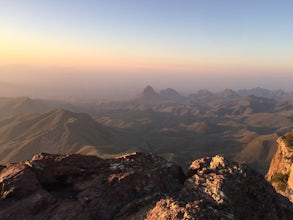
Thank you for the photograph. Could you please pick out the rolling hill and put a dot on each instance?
(10, 107)
(56, 131)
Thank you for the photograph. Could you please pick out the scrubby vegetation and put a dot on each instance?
(289, 138)
(280, 180)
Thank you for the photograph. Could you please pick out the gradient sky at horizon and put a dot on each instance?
(154, 37)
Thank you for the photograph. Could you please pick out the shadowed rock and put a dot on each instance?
(136, 186)
(82, 187)
(216, 188)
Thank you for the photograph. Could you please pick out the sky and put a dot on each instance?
(103, 45)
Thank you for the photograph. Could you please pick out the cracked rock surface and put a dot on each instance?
(136, 186)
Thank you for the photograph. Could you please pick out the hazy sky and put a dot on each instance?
(183, 44)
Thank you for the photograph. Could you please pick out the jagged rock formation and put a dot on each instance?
(216, 188)
(135, 186)
(280, 173)
(149, 97)
(172, 95)
(82, 187)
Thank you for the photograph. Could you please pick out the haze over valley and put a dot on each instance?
(152, 109)
(239, 125)
(179, 80)
(66, 84)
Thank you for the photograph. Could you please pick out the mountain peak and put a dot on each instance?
(149, 96)
(229, 93)
(148, 90)
(171, 94)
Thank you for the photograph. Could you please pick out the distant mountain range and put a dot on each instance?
(150, 97)
(144, 184)
(261, 92)
(179, 128)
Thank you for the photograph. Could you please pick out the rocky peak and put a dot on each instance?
(279, 174)
(171, 94)
(150, 93)
(202, 95)
(228, 93)
(149, 96)
(148, 90)
(135, 186)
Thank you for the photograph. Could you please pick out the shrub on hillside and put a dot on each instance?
(280, 181)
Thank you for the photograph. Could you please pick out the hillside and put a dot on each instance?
(57, 131)
(10, 107)
(202, 124)
(168, 124)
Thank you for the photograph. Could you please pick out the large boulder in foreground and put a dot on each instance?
(216, 188)
(136, 186)
(82, 187)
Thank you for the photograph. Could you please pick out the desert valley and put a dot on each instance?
(162, 180)
(242, 126)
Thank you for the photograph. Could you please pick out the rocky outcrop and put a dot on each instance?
(82, 187)
(136, 186)
(216, 188)
(280, 173)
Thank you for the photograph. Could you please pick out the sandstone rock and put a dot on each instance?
(282, 159)
(280, 173)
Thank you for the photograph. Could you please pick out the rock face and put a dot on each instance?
(280, 173)
(82, 187)
(135, 186)
(216, 188)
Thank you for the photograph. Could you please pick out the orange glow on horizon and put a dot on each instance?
(33, 50)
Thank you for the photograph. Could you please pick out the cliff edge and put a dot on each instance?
(280, 173)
